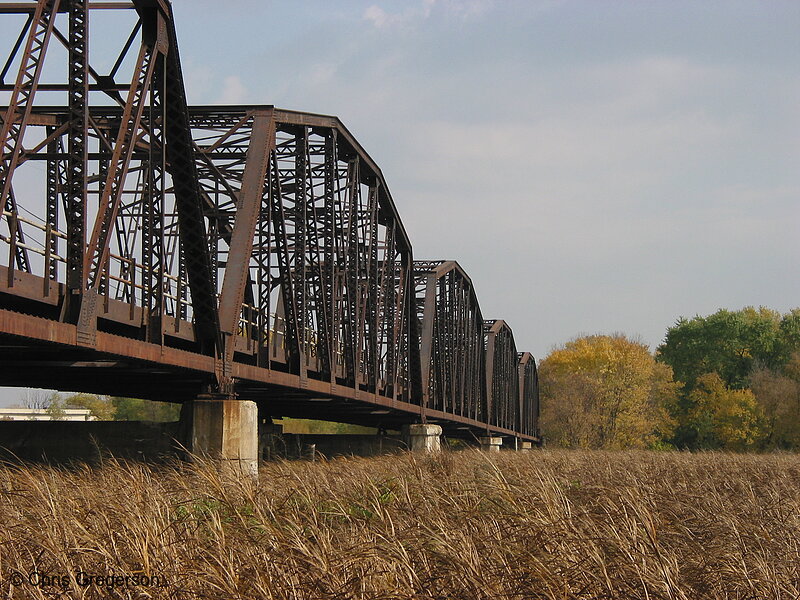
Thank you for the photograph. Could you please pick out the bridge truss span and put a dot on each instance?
(502, 368)
(451, 340)
(528, 414)
(160, 250)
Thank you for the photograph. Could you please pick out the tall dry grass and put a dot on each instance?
(549, 524)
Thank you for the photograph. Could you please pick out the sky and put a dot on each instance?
(595, 166)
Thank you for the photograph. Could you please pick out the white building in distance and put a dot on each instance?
(41, 414)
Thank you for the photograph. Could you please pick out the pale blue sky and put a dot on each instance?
(594, 166)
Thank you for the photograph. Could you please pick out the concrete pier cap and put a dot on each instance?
(491, 443)
(226, 430)
(525, 446)
(423, 437)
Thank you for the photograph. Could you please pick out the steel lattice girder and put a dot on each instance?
(502, 374)
(328, 275)
(451, 339)
(327, 280)
(255, 237)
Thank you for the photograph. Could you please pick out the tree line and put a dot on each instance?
(730, 380)
(103, 408)
(116, 408)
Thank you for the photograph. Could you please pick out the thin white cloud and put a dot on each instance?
(199, 80)
(379, 17)
(233, 90)
(461, 9)
(323, 73)
(605, 173)
(467, 9)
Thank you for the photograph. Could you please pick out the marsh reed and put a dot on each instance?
(547, 524)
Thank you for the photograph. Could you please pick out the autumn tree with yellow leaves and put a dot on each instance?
(606, 391)
(723, 417)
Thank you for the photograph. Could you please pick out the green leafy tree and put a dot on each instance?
(734, 345)
(135, 409)
(792, 368)
(312, 426)
(606, 392)
(100, 407)
(55, 408)
(789, 344)
(731, 344)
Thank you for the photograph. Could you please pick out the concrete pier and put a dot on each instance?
(227, 430)
(423, 438)
(491, 444)
(525, 446)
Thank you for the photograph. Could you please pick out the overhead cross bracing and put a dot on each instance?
(160, 250)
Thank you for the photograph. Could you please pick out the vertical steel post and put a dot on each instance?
(75, 194)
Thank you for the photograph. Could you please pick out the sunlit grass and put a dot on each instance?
(548, 524)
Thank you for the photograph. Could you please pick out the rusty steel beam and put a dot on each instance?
(30, 7)
(368, 164)
(77, 133)
(235, 246)
(97, 252)
(40, 28)
(237, 270)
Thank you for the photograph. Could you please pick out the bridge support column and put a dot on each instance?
(525, 446)
(423, 438)
(226, 430)
(491, 444)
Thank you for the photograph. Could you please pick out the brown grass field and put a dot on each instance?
(548, 524)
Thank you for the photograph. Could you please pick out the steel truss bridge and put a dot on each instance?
(159, 250)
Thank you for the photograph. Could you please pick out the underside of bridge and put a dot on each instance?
(159, 250)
